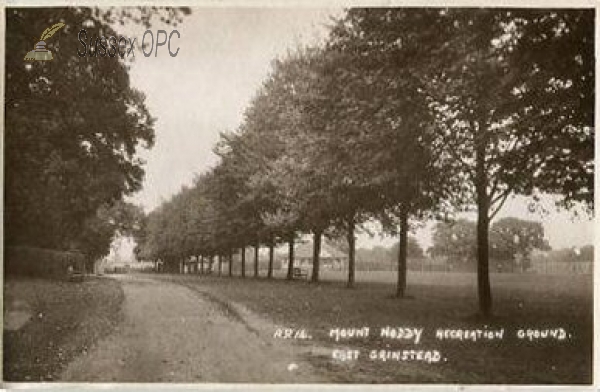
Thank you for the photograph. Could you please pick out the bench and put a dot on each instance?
(76, 276)
(299, 273)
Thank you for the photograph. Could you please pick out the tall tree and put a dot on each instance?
(517, 119)
(380, 56)
(293, 192)
(74, 127)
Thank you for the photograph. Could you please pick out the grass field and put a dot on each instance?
(437, 300)
(66, 319)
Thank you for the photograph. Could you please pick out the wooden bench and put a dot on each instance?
(76, 276)
(299, 273)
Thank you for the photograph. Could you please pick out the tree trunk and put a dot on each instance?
(256, 251)
(271, 257)
(402, 252)
(483, 274)
(230, 262)
(483, 227)
(351, 251)
(290, 271)
(220, 258)
(243, 262)
(316, 255)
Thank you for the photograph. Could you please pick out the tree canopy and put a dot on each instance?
(403, 114)
(74, 129)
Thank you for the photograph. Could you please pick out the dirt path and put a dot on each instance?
(173, 334)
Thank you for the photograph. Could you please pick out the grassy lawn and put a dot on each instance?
(66, 319)
(437, 301)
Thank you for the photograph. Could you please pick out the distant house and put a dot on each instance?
(330, 257)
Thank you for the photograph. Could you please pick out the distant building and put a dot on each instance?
(330, 257)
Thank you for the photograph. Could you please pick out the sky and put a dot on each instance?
(225, 54)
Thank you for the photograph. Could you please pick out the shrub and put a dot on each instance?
(38, 262)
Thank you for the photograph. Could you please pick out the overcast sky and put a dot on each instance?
(224, 56)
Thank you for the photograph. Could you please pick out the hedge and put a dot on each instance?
(38, 262)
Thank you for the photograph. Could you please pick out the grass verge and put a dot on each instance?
(66, 320)
(437, 301)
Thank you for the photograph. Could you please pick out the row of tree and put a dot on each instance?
(400, 115)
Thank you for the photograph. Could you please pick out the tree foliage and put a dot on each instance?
(403, 114)
(510, 239)
(74, 130)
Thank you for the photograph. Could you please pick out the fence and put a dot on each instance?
(495, 266)
(561, 267)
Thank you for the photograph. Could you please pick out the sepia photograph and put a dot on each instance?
(284, 195)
